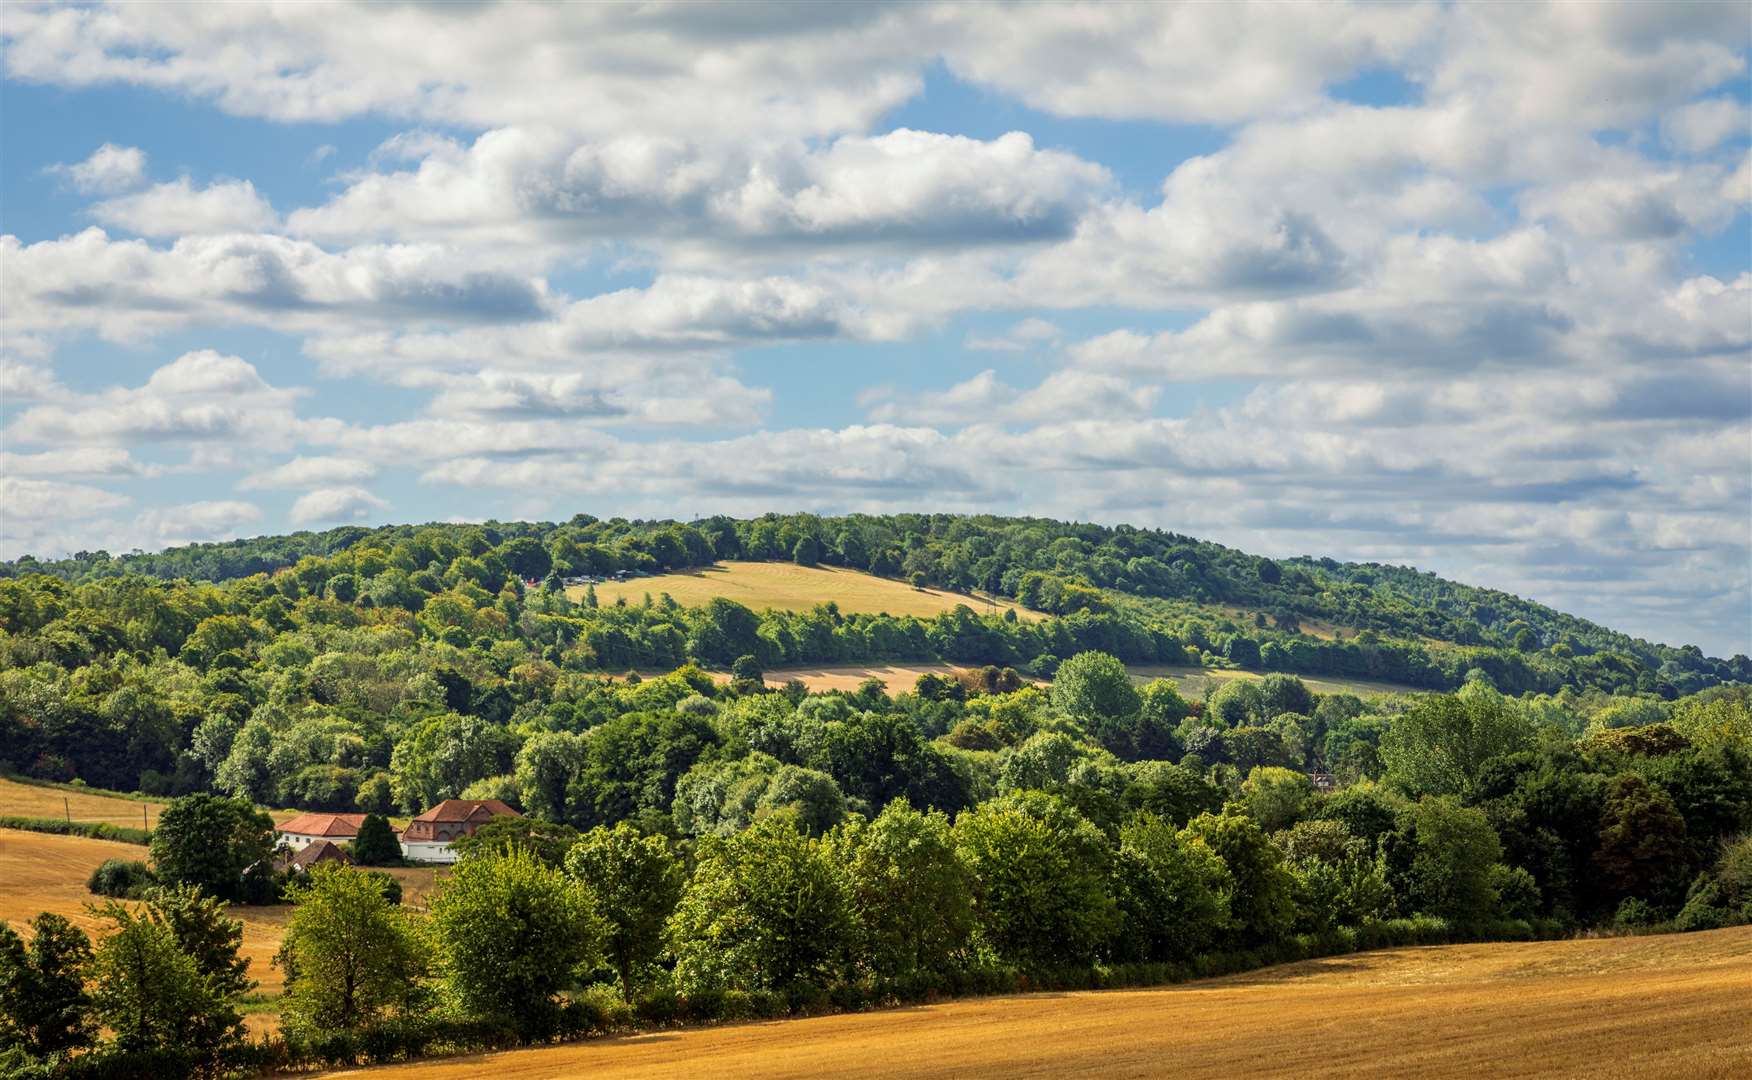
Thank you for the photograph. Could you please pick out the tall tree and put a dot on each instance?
(350, 954)
(637, 881)
(43, 1004)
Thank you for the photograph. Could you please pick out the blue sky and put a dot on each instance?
(1404, 283)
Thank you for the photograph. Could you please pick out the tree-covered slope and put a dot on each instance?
(1146, 595)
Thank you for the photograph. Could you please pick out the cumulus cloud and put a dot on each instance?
(109, 169)
(309, 472)
(200, 397)
(334, 504)
(195, 521)
(538, 187)
(178, 209)
(127, 289)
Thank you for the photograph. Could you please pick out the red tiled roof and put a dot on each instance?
(323, 825)
(466, 810)
(318, 851)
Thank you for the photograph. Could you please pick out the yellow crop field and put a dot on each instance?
(1671, 1006)
(789, 587)
(33, 800)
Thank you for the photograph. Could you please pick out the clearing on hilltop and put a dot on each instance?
(782, 586)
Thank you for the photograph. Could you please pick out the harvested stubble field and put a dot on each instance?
(1670, 1006)
(789, 587)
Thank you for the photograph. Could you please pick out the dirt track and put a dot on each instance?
(1674, 1006)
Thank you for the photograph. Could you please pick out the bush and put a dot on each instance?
(124, 879)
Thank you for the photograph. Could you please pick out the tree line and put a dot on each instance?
(696, 850)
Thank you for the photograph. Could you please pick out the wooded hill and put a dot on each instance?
(1145, 595)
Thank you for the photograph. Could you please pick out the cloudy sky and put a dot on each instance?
(1463, 287)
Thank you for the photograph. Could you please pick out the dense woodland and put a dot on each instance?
(698, 849)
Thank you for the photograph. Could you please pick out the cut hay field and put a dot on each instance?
(1671, 1006)
(63, 801)
(789, 587)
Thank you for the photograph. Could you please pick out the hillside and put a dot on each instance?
(1649, 1006)
(1149, 596)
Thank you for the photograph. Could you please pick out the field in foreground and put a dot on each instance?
(789, 587)
(1670, 1006)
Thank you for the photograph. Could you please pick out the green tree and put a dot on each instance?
(209, 842)
(511, 933)
(1275, 797)
(1439, 861)
(637, 881)
(376, 845)
(153, 997)
(202, 930)
(765, 910)
(43, 1004)
(1643, 848)
(1262, 904)
(350, 954)
(1040, 871)
(1094, 689)
(546, 765)
(807, 551)
(1440, 745)
(910, 896)
(1173, 892)
(546, 840)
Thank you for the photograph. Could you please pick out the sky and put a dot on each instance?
(1465, 287)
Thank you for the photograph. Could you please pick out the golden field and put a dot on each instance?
(1670, 1006)
(789, 587)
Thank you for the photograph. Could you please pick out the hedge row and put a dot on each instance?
(600, 1011)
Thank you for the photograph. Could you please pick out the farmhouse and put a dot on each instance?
(307, 829)
(320, 851)
(429, 836)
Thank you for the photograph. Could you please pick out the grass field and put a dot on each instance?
(789, 587)
(1194, 681)
(1670, 1006)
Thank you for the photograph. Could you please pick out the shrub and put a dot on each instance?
(125, 879)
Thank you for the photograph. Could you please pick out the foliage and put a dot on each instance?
(123, 879)
(909, 896)
(154, 997)
(637, 881)
(510, 934)
(44, 1007)
(375, 844)
(1173, 892)
(1041, 895)
(351, 956)
(209, 842)
(764, 910)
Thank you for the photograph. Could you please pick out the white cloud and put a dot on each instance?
(309, 472)
(1703, 125)
(325, 505)
(193, 522)
(178, 209)
(200, 397)
(1030, 333)
(128, 289)
(1176, 61)
(109, 169)
(542, 188)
